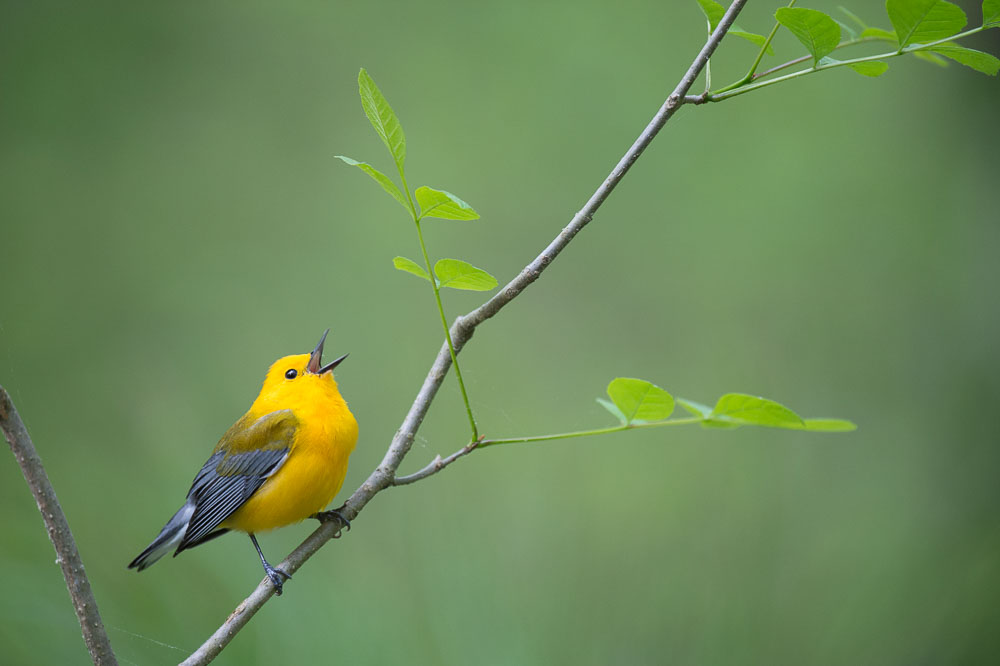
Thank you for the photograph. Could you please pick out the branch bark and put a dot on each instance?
(67, 555)
(461, 331)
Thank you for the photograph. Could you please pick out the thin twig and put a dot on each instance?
(808, 57)
(67, 555)
(461, 331)
(436, 465)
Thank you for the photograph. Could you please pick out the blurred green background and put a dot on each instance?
(172, 220)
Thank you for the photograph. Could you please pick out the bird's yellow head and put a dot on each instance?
(299, 380)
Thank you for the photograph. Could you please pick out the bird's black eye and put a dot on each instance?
(291, 374)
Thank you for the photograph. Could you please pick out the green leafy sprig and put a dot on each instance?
(637, 403)
(927, 29)
(432, 203)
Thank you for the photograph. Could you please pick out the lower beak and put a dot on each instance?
(316, 358)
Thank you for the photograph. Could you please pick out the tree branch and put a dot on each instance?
(67, 555)
(461, 331)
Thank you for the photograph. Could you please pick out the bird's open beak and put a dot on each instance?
(316, 358)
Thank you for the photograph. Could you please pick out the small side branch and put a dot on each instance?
(59, 533)
(436, 465)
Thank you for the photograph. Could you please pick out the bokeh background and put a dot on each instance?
(172, 219)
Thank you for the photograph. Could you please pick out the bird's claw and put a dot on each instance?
(277, 576)
(334, 515)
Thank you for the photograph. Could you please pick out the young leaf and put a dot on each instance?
(854, 17)
(871, 68)
(931, 58)
(991, 13)
(704, 412)
(829, 425)
(753, 410)
(720, 425)
(714, 12)
(819, 33)
(923, 21)
(695, 408)
(852, 34)
(879, 33)
(610, 406)
(986, 63)
(410, 266)
(639, 400)
(382, 118)
(753, 38)
(443, 205)
(462, 275)
(379, 178)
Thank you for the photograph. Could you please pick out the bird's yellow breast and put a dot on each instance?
(314, 470)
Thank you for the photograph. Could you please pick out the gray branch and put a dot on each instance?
(67, 555)
(436, 465)
(384, 475)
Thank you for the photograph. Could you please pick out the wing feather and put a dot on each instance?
(246, 456)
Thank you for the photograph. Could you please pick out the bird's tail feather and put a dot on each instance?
(169, 536)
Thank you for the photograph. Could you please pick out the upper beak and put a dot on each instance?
(316, 358)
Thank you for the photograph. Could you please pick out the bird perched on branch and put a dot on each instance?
(281, 463)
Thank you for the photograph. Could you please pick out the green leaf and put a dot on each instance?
(753, 410)
(879, 33)
(736, 409)
(986, 63)
(991, 13)
(443, 205)
(931, 57)
(695, 408)
(819, 33)
(379, 178)
(705, 413)
(871, 68)
(923, 21)
(854, 17)
(610, 406)
(829, 425)
(458, 274)
(382, 118)
(714, 12)
(753, 38)
(410, 266)
(639, 400)
(852, 34)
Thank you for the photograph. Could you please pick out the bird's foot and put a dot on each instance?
(277, 576)
(334, 515)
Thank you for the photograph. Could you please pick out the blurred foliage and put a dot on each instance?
(172, 219)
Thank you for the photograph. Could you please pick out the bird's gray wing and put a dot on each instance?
(244, 459)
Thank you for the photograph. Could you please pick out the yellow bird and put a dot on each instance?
(281, 463)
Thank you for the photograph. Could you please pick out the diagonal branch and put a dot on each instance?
(461, 330)
(67, 555)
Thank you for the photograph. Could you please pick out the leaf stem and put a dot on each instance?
(409, 197)
(447, 332)
(708, 63)
(587, 433)
(808, 57)
(919, 47)
(760, 56)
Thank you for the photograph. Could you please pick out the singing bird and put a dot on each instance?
(281, 463)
